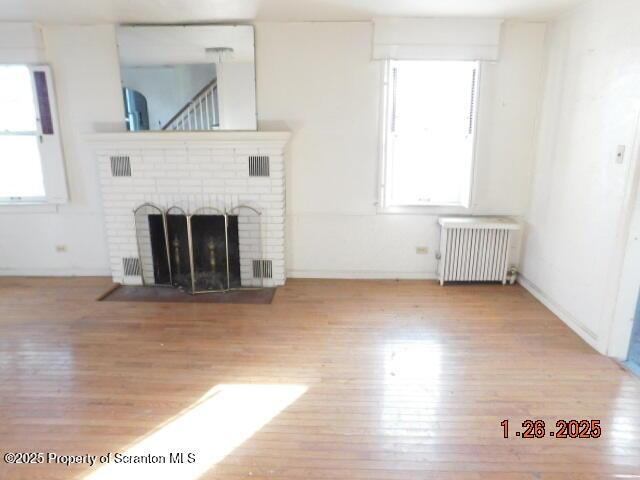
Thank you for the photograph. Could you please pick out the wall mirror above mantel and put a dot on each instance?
(188, 77)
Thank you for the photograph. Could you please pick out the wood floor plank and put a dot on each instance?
(392, 380)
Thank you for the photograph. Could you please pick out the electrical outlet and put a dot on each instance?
(61, 248)
(422, 250)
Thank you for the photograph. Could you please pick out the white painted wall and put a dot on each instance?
(578, 221)
(318, 80)
(85, 68)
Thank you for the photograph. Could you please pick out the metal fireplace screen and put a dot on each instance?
(209, 250)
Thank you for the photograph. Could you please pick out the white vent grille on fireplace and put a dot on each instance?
(120, 166)
(258, 166)
(262, 269)
(131, 267)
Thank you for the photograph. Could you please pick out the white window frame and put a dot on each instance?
(381, 204)
(50, 148)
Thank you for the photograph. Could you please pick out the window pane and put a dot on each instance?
(20, 167)
(431, 143)
(18, 111)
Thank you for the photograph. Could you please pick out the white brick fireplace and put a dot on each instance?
(192, 170)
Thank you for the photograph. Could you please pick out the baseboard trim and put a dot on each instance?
(586, 334)
(55, 272)
(361, 274)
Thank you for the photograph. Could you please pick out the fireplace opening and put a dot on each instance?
(161, 272)
(198, 252)
(216, 253)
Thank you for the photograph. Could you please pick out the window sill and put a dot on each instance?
(28, 207)
(423, 210)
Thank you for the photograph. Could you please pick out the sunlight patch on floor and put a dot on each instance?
(210, 429)
(411, 369)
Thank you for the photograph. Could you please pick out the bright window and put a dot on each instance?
(429, 133)
(31, 166)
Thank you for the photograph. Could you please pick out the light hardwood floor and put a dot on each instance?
(376, 380)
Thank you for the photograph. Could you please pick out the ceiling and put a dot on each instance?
(163, 11)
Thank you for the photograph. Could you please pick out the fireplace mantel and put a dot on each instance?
(194, 170)
(202, 139)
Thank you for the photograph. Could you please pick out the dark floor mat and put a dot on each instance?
(122, 293)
